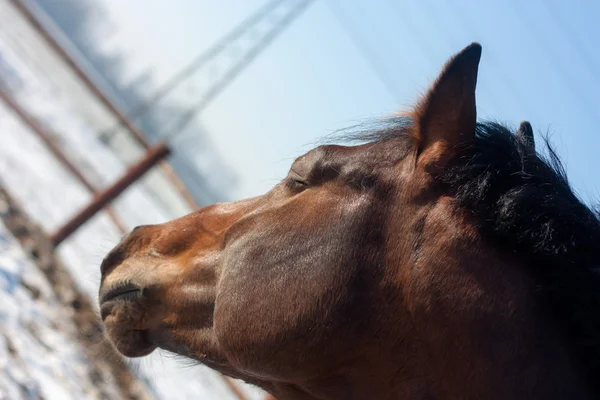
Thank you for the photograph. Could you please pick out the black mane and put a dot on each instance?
(523, 202)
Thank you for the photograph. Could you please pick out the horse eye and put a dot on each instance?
(298, 182)
(295, 181)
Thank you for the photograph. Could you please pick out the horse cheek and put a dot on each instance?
(285, 290)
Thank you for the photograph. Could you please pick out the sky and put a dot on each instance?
(348, 61)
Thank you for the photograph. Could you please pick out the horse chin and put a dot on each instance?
(125, 328)
(134, 344)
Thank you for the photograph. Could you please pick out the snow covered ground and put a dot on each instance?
(40, 356)
(51, 195)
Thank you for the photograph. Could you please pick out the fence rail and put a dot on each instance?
(114, 109)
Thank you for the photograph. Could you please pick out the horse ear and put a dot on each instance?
(525, 135)
(446, 117)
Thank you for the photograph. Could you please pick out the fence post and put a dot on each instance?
(153, 156)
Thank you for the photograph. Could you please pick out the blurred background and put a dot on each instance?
(95, 93)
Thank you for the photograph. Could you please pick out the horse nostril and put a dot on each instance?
(129, 244)
(138, 228)
(112, 259)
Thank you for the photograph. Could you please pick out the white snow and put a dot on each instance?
(39, 354)
(50, 194)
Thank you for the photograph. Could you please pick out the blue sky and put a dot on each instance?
(540, 63)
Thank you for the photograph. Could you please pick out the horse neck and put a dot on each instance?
(477, 317)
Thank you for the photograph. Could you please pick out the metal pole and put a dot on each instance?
(39, 27)
(55, 150)
(152, 157)
(19, 4)
(233, 387)
(196, 64)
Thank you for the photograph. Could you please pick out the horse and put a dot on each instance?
(434, 257)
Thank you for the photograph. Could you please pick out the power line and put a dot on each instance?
(589, 61)
(366, 51)
(556, 62)
(234, 69)
(221, 51)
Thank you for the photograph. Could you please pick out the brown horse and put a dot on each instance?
(441, 258)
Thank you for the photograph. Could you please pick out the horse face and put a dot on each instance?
(277, 277)
(317, 275)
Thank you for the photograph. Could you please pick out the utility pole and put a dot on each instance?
(219, 65)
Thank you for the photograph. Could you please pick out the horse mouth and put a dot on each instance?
(122, 311)
(126, 291)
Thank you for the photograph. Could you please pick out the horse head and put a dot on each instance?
(360, 275)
